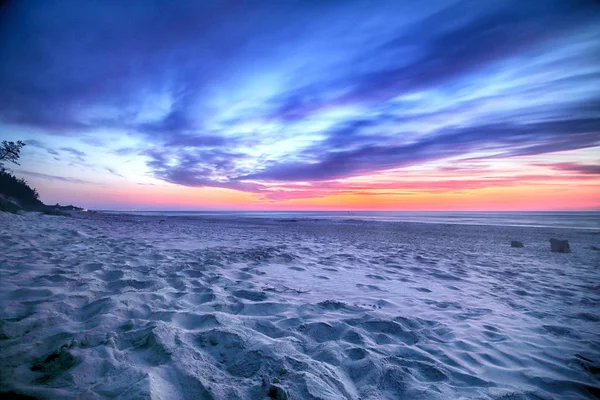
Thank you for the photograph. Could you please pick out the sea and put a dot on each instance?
(540, 219)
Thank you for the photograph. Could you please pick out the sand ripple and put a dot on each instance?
(111, 307)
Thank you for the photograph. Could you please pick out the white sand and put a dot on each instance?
(124, 307)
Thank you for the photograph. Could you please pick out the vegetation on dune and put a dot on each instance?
(18, 189)
(15, 193)
(8, 206)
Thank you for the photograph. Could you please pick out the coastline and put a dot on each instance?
(589, 220)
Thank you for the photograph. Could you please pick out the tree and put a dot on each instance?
(10, 185)
(9, 151)
(18, 189)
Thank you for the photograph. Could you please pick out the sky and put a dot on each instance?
(305, 105)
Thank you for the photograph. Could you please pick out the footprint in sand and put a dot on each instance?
(251, 295)
(422, 289)
(202, 296)
(193, 321)
(92, 267)
(378, 277)
(372, 287)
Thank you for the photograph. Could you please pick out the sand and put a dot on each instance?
(125, 307)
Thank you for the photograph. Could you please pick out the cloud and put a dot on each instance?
(405, 187)
(112, 171)
(126, 151)
(201, 44)
(573, 167)
(35, 143)
(503, 139)
(449, 45)
(53, 177)
(198, 141)
(198, 168)
(41, 145)
(88, 66)
(73, 151)
(55, 152)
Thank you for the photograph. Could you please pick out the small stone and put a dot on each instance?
(516, 243)
(277, 393)
(559, 246)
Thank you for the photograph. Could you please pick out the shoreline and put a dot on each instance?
(298, 217)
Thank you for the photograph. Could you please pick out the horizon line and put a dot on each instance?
(343, 211)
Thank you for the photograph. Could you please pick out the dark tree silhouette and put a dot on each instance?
(18, 189)
(10, 151)
(10, 185)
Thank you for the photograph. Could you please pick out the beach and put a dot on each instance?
(101, 306)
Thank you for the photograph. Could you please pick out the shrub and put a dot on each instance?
(18, 189)
(8, 206)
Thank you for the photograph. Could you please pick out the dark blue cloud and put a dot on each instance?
(229, 94)
(506, 140)
(574, 167)
(60, 57)
(54, 177)
(73, 151)
(56, 152)
(446, 46)
(198, 141)
(198, 167)
(113, 172)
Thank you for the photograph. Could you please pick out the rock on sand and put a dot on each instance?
(559, 246)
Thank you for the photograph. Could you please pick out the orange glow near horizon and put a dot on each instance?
(572, 196)
(511, 184)
(516, 198)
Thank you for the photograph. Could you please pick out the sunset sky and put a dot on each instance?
(305, 105)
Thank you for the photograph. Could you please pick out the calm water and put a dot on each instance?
(580, 220)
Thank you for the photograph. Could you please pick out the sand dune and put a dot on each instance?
(123, 307)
